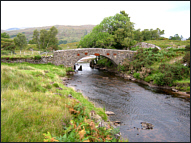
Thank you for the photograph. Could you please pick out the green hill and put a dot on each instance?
(65, 32)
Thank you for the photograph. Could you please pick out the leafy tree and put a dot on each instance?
(7, 44)
(51, 37)
(146, 34)
(5, 35)
(20, 41)
(111, 32)
(36, 36)
(62, 42)
(46, 39)
(138, 35)
(31, 42)
(176, 37)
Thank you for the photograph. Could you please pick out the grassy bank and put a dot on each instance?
(34, 102)
(166, 67)
(169, 43)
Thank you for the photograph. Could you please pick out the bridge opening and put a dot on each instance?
(86, 59)
(98, 62)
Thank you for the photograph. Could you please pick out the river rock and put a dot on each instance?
(117, 136)
(127, 77)
(70, 73)
(104, 68)
(174, 90)
(105, 77)
(65, 78)
(146, 125)
(70, 96)
(96, 66)
(109, 113)
(78, 90)
(117, 123)
(133, 79)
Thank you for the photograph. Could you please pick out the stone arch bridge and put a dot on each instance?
(69, 57)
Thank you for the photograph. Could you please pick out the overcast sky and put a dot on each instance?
(171, 16)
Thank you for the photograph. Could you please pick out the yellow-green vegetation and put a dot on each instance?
(168, 43)
(34, 102)
(69, 46)
(7, 45)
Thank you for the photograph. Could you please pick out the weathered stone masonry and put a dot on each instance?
(43, 60)
(69, 57)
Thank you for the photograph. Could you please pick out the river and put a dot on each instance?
(134, 103)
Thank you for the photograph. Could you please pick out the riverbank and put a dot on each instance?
(130, 77)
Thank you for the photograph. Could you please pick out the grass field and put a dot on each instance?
(34, 101)
(69, 46)
(28, 53)
(169, 43)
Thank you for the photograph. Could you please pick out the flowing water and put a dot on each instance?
(134, 103)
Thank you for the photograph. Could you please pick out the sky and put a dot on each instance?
(171, 16)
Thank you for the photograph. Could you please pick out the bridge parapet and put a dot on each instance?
(69, 57)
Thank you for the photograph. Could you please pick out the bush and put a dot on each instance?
(169, 73)
(186, 58)
(136, 75)
(102, 61)
(5, 52)
(135, 48)
(121, 68)
(155, 50)
(148, 78)
(55, 85)
(38, 57)
(187, 48)
(158, 79)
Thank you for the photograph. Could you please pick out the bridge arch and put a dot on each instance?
(69, 57)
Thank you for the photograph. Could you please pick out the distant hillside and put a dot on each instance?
(65, 32)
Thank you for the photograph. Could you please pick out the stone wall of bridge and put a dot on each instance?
(69, 57)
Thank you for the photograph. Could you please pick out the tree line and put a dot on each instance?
(118, 32)
(44, 40)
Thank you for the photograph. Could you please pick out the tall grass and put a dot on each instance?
(31, 105)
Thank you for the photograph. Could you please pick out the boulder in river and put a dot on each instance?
(117, 123)
(109, 113)
(146, 125)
